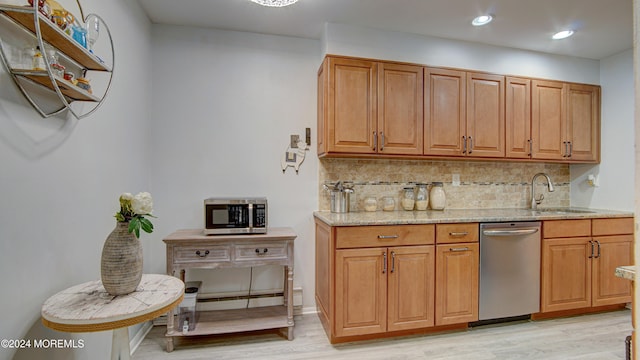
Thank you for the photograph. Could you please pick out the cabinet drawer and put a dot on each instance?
(384, 235)
(566, 228)
(260, 251)
(615, 226)
(456, 233)
(194, 254)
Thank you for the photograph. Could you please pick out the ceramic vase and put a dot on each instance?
(121, 263)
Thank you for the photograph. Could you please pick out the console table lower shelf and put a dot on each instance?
(239, 320)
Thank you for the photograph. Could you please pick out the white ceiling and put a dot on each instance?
(603, 27)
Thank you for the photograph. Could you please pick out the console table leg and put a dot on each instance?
(120, 344)
(169, 344)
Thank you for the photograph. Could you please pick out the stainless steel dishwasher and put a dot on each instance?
(509, 269)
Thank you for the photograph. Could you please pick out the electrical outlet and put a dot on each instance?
(455, 179)
(294, 141)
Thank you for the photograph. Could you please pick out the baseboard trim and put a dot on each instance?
(140, 335)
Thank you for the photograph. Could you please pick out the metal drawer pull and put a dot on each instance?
(393, 261)
(464, 233)
(263, 252)
(206, 252)
(388, 236)
(384, 262)
(592, 248)
(598, 256)
(459, 249)
(509, 232)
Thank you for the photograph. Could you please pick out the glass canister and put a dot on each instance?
(422, 197)
(437, 197)
(388, 203)
(408, 199)
(370, 204)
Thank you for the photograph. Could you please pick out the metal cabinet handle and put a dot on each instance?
(375, 140)
(592, 249)
(388, 237)
(598, 242)
(381, 141)
(464, 144)
(530, 147)
(566, 148)
(206, 252)
(463, 233)
(570, 148)
(470, 144)
(263, 252)
(459, 249)
(393, 261)
(384, 262)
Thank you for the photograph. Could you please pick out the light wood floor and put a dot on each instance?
(592, 337)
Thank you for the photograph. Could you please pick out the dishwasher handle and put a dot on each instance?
(510, 232)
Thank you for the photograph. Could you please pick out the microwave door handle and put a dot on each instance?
(250, 215)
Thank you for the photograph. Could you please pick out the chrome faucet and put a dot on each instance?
(535, 202)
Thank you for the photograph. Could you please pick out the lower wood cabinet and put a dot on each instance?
(457, 283)
(384, 289)
(579, 258)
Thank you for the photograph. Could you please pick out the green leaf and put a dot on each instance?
(147, 226)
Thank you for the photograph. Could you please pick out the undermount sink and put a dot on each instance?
(561, 211)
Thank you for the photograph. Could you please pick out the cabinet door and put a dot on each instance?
(566, 274)
(457, 283)
(411, 287)
(611, 252)
(351, 106)
(548, 124)
(485, 115)
(361, 291)
(444, 112)
(583, 122)
(518, 118)
(400, 106)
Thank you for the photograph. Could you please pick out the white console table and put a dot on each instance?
(190, 248)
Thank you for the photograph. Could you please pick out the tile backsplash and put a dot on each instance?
(482, 184)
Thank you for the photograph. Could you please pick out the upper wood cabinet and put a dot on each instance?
(444, 112)
(565, 121)
(367, 107)
(518, 118)
(464, 113)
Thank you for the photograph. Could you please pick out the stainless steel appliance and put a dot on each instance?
(235, 215)
(509, 269)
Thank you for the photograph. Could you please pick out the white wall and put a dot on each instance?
(223, 107)
(616, 170)
(60, 183)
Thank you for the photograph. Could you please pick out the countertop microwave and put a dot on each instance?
(231, 215)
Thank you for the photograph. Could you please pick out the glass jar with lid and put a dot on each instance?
(370, 204)
(422, 197)
(408, 199)
(437, 196)
(388, 203)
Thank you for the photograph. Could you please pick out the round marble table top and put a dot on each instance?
(88, 307)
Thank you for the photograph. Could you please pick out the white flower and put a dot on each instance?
(142, 203)
(126, 196)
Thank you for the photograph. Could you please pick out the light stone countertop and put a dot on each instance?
(401, 217)
(626, 272)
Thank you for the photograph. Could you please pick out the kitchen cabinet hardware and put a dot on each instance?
(570, 149)
(384, 262)
(381, 141)
(202, 254)
(375, 141)
(393, 261)
(530, 147)
(470, 144)
(464, 144)
(462, 233)
(598, 243)
(459, 249)
(263, 252)
(383, 237)
(592, 249)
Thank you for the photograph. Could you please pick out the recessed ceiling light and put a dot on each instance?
(482, 20)
(275, 3)
(562, 34)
